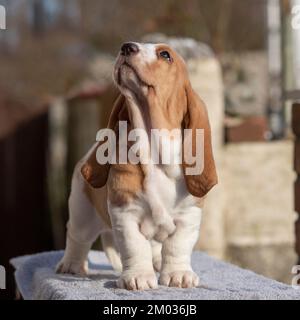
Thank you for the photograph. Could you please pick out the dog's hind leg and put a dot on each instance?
(83, 228)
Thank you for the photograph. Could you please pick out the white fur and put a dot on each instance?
(147, 52)
(134, 226)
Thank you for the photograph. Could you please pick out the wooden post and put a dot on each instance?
(296, 130)
(25, 223)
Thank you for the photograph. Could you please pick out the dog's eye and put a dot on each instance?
(165, 55)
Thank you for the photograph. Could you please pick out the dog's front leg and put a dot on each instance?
(177, 250)
(135, 250)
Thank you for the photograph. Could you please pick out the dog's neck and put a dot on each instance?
(138, 113)
(149, 112)
(144, 116)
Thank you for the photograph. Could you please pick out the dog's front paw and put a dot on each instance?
(179, 279)
(137, 281)
(72, 267)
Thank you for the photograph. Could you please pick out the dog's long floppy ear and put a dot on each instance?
(197, 118)
(94, 173)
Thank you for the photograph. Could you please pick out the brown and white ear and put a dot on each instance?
(197, 118)
(94, 173)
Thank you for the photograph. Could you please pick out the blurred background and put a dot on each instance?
(56, 59)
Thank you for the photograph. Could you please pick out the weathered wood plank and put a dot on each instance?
(297, 156)
(297, 195)
(23, 197)
(296, 129)
(297, 244)
(296, 119)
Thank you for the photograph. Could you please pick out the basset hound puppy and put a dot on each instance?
(148, 214)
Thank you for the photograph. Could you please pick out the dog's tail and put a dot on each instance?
(111, 251)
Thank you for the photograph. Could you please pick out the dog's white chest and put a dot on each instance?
(168, 185)
(167, 198)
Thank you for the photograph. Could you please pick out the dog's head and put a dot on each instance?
(156, 76)
(150, 69)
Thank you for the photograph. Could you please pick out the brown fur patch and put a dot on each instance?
(124, 183)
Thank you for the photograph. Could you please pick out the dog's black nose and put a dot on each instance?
(128, 48)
